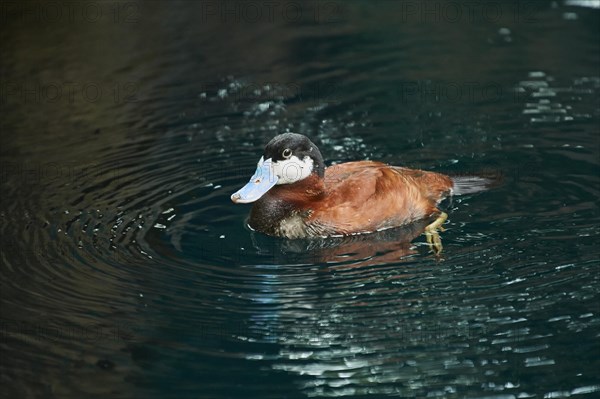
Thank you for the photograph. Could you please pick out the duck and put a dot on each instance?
(295, 196)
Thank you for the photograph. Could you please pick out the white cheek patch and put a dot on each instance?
(293, 169)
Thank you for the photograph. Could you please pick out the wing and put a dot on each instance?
(435, 186)
(368, 196)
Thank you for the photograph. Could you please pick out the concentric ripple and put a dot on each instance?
(127, 271)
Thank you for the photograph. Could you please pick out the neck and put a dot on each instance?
(285, 200)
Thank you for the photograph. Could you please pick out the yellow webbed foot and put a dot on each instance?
(431, 232)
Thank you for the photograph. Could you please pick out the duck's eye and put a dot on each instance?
(286, 153)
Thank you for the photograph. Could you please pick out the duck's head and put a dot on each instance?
(287, 159)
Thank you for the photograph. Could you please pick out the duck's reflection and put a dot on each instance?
(379, 248)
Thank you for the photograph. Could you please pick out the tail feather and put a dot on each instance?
(463, 185)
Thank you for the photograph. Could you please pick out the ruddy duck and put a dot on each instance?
(296, 196)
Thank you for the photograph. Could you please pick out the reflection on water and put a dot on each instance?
(127, 272)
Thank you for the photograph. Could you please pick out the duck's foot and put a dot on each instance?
(431, 232)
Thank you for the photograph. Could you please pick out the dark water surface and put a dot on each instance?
(127, 272)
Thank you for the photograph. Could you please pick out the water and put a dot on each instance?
(127, 272)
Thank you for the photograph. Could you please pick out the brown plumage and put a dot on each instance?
(370, 196)
(354, 197)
